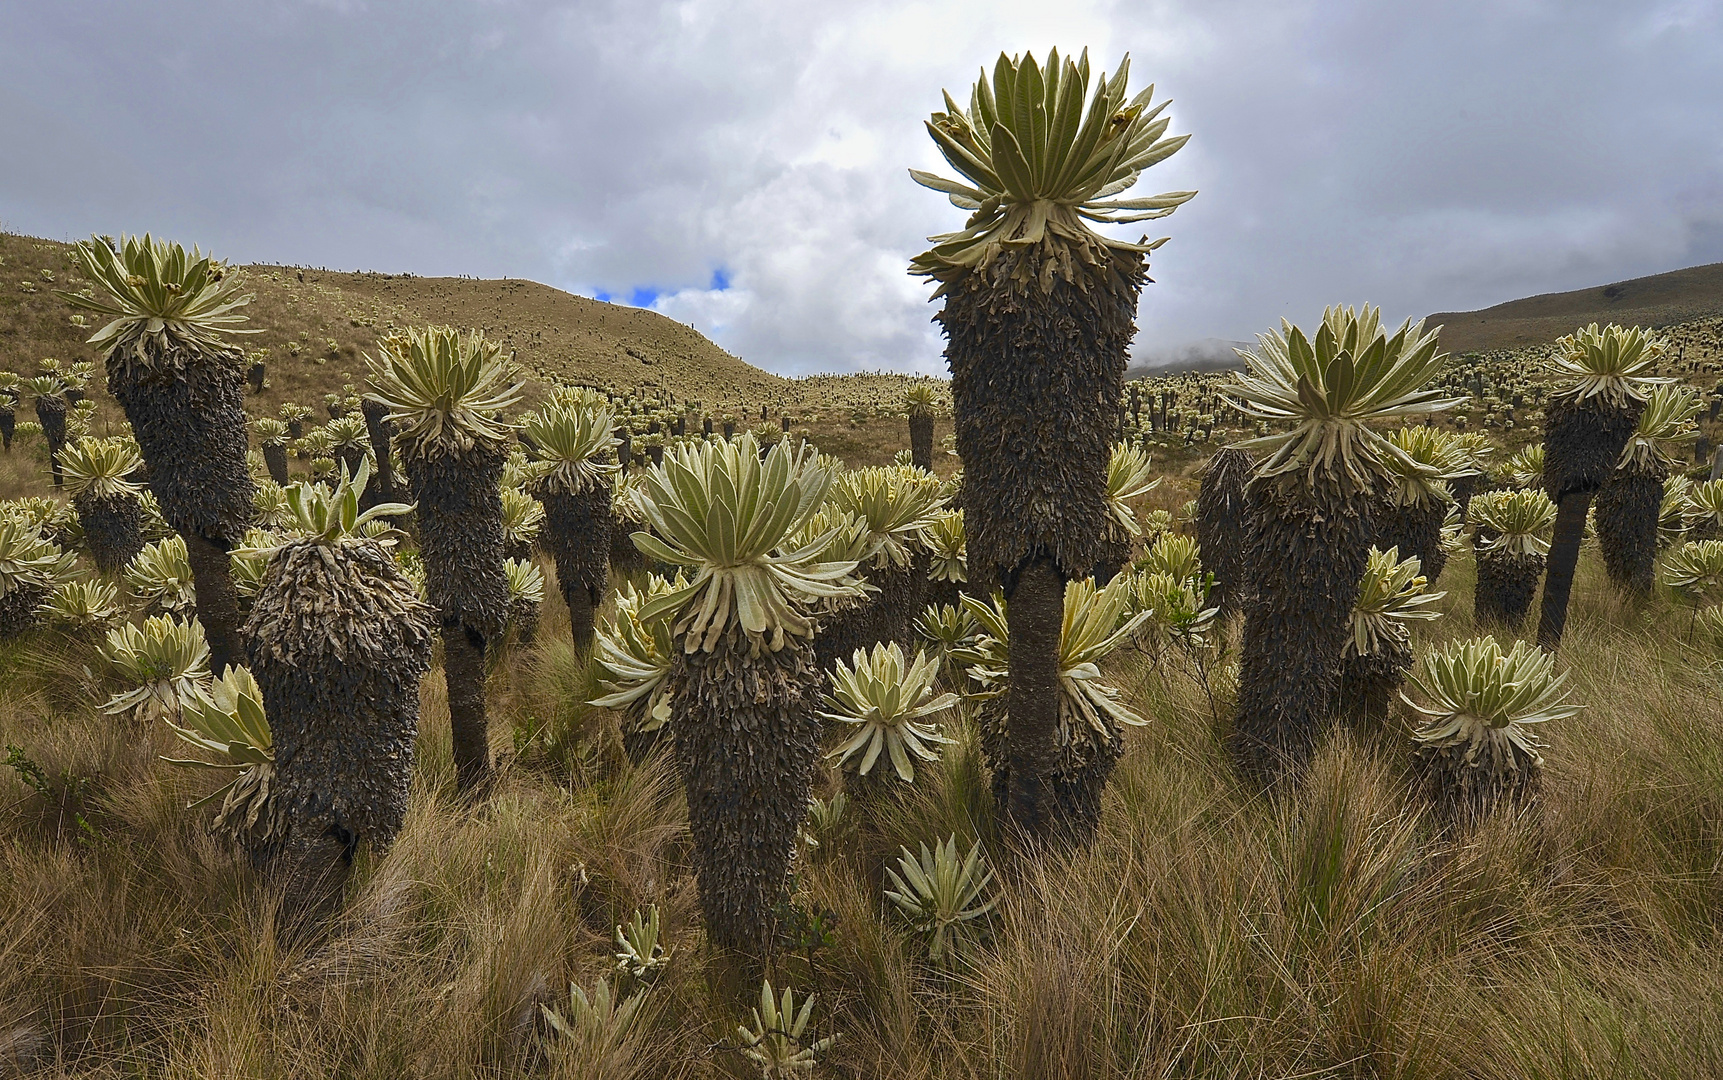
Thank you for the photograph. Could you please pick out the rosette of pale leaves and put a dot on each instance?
(348, 435)
(1040, 159)
(1696, 568)
(1392, 594)
(1475, 447)
(27, 558)
(330, 516)
(1524, 468)
(896, 504)
(948, 628)
(100, 467)
(270, 431)
(1478, 694)
(1674, 509)
(1095, 622)
(948, 556)
(1518, 522)
(1453, 530)
(633, 657)
(1174, 554)
(941, 892)
(161, 301)
(47, 517)
(570, 440)
(248, 564)
(775, 1044)
(1329, 388)
(1429, 457)
(444, 390)
(160, 576)
(85, 605)
(162, 661)
(843, 537)
(1705, 505)
(1665, 423)
(723, 513)
(1614, 365)
(269, 504)
(1128, 477)
(918, 399)
(525, 582)
(523, 518)
(887, 700)
(227, 720)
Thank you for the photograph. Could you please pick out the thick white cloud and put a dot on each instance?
(1426, 157)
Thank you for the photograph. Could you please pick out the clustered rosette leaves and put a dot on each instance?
(633, 657)
(162, 302)
(1392, 594)
(887, 700)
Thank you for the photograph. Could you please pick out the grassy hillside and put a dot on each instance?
(1660, 300)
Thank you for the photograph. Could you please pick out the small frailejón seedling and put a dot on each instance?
(1393, 594)
(163, 661)
(1312, 509)
(597, 1027)
(85, 607)
(887, 702)
(640, 954)
(182, 385)
(227, 719)
(777, 1043)
(1129, 476)
(942, 893)
(1477, 745)
(1510, 538)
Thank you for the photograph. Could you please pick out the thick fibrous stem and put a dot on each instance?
(921, 440)
(1036, 377)
(189, 420)
(1117, 546)
(747, 738)
(1221, 526)
(338, 642)
(461, 539)
(217, 599)
(1368, 684)
(1307, 554)
(8, 421)
(21, 609)
(275, 460)
(1507, 582)
(886, 616)
(577, 531)
(1499, 774)
(383, 487)
(1627, 512)
(1417, 531)
(1033, 618)
(51, 414)
(113, 528)
(1582, 443)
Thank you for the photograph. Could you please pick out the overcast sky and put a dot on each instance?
(742, 165)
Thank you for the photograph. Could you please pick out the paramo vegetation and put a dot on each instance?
(469, 716)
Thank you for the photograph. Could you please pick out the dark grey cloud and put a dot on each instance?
(1425, 157)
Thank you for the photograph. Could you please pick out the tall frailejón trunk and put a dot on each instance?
(1036, 375)
(577, 530)
(338, 641)
(1417, 531)
(383, 486)
(1222, 526)
(190, 426)
(51, 414)
(1034, 616)
(461, 539)
(275, 460)
(1627, 512)
(747, 738)
(8, 420)
(1307, 552)
(1507, 583)
(921, 440)
(1582, 442)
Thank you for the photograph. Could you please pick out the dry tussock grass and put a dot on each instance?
(1330, 931)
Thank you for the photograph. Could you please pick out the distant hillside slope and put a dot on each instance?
(1656, 301)
(315, 324)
